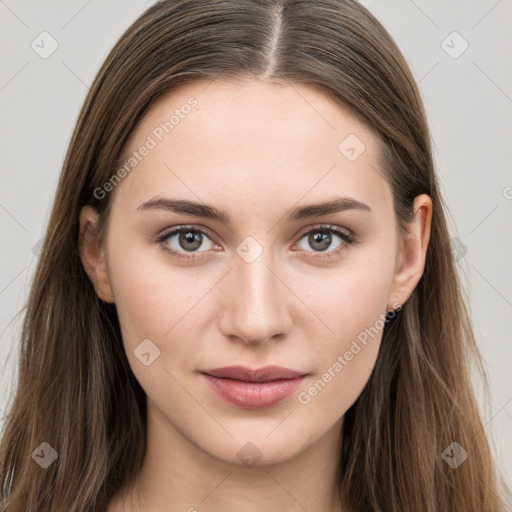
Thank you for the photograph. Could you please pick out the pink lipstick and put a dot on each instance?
(253, 389)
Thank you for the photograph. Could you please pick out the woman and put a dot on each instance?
(246, 296)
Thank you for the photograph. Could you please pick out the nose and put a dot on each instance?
(255, 308)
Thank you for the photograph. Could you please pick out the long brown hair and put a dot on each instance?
(76, 391)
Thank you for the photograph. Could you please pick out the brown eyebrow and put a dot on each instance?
(337, 204)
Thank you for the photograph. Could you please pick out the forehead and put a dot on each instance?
(251, 140)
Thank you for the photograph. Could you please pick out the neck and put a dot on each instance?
(178, 476)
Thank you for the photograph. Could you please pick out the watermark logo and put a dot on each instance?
(351, 147)
(249, 454)
(44, 455)
(454, 45)
(454, 455)
(459, 250)
(146, 352)
(249, 249)
(44, 45)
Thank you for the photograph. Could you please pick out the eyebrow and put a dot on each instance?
(337, 204)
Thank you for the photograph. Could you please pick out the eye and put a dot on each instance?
(321, 238)
(189, 239)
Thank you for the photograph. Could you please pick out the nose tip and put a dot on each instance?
(255, 308)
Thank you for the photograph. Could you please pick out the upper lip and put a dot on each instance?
(263, 374)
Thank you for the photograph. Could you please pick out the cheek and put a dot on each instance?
(164, 304)
(349, 298)
(353, 306)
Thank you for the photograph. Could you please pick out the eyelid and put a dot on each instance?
(327, 227)
(173, 230)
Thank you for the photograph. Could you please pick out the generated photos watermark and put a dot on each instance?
(304, 397)
(151, 142)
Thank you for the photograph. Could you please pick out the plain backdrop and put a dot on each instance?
(460, 53)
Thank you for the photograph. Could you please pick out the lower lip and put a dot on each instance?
(253, 395)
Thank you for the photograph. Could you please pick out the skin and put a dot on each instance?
(256, 150)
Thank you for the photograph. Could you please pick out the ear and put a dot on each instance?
(412, 253)
(92, 254)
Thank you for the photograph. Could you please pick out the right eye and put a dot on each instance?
(187, 240)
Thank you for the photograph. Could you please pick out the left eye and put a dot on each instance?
(322, 238)
(190, 239)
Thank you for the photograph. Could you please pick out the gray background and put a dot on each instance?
(468, 96)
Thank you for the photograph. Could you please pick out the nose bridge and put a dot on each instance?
(256, 309)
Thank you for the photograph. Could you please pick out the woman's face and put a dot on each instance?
(259, 278)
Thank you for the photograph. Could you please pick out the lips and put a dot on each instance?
(253, 389)
(264, 374)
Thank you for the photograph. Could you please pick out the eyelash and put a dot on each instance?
(347, 237)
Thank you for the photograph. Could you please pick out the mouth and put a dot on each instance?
(253, 389)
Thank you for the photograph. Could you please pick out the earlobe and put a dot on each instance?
(92, 254)
(413, 251)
